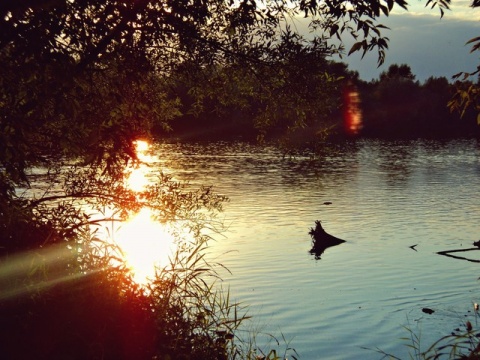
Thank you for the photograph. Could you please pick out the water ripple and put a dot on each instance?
(385, 197)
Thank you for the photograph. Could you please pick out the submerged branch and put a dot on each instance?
(448, 253)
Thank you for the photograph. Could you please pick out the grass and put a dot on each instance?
(460, 344)
(67, 301)
(66, 293)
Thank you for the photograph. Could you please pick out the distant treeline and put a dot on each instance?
(236, 105)
(396, 106)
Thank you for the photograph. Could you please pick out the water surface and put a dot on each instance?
(385, 197)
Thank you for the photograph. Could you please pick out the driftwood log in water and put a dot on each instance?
(449, 253)
(322, 240)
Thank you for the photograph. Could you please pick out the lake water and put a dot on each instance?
(385, 197)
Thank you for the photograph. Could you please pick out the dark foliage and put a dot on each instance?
(396, 106)
(99, 315)
(87, 317)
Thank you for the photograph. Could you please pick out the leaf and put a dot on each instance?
(355, 47)
(376, 31)
(457, 75)
(473, 40)
(384, 9)
(334, 29)
(402, 3)
(390, 4)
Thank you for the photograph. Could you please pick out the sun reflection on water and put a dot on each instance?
(146, 244)
(136, 176)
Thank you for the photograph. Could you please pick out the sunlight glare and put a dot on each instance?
(145, 243)
(136, 177)
(142, 147)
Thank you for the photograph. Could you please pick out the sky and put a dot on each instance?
(430, 45)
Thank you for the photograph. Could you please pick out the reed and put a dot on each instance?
(461, 344)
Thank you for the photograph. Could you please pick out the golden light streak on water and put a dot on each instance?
(146, 244)
(136, 177)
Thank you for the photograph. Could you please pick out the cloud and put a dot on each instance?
(429, 45)
(459, 9)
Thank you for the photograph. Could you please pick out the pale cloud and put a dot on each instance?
(459, 10)
(429, 45)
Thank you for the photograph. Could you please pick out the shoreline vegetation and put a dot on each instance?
(394, 106)
(73, 296)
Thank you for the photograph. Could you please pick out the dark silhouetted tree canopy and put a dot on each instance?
(79, 81)
(398, 72)
(86, 74)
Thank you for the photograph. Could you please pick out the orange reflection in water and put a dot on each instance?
(352, 111)
(136, 177)
(145, 243)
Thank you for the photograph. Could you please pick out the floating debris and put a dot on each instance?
(449, 253)
(322, 240)
(428, 311)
